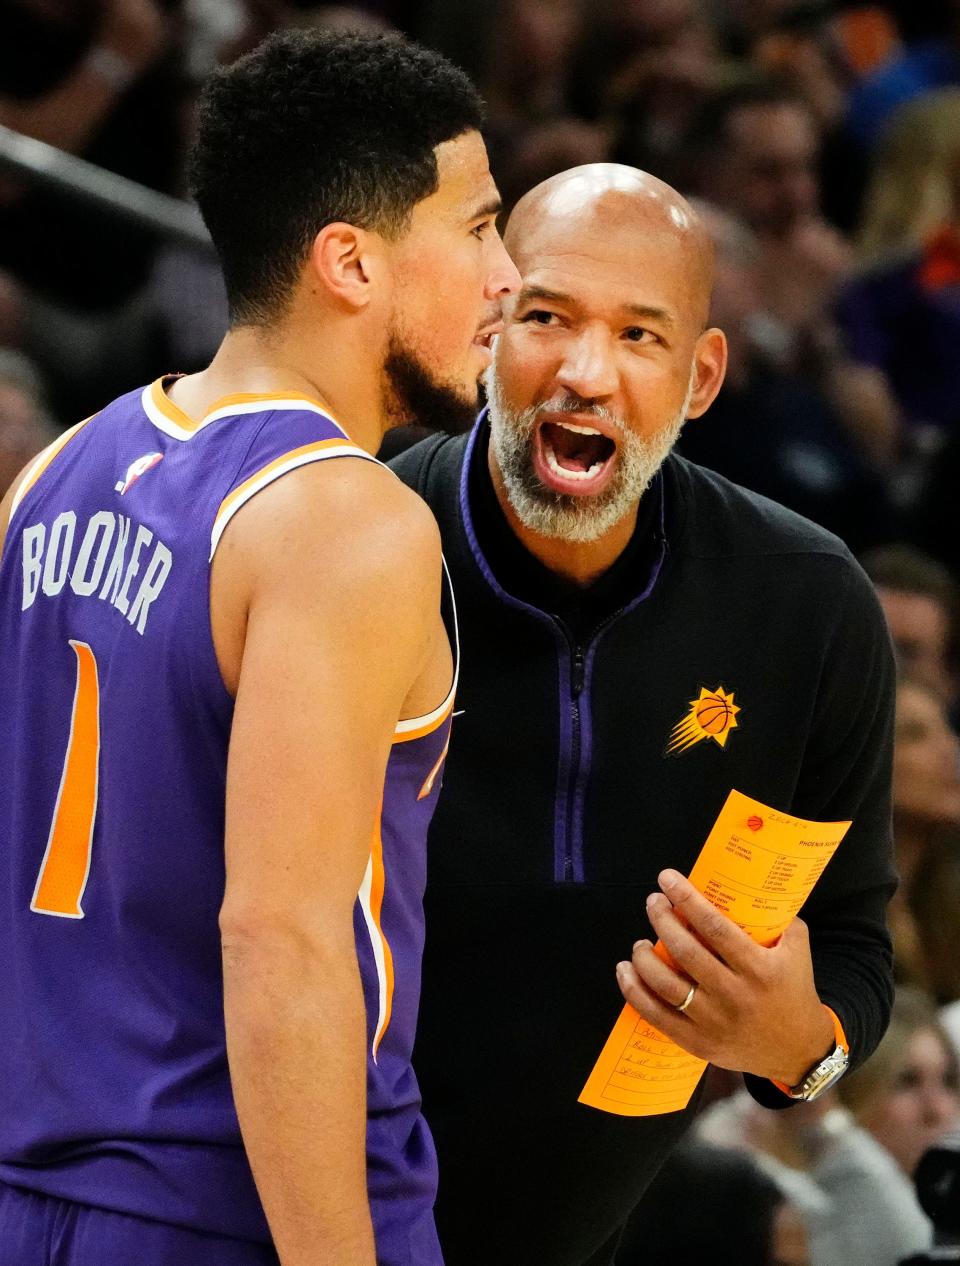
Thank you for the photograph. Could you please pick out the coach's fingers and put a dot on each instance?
(664, 1017)
(668, 984)
(688, 952)
(721, 934)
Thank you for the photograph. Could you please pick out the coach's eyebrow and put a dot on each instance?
(647, 313)
(541, 292)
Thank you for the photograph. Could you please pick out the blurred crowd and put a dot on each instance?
(821, 143)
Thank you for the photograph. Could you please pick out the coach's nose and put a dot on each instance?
(588, 368)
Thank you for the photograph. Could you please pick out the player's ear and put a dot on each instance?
(344, 261)
(709, 367)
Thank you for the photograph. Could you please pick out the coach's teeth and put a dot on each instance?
(580, 430)
(563, 472)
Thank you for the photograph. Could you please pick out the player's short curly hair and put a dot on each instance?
(313, 128)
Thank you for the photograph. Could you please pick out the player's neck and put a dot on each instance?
(254, 361)
(581, 563)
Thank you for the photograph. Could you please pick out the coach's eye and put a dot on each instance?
(480, 229)
(540, 317)
(637, 334)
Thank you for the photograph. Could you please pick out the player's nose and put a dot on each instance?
(503, 279)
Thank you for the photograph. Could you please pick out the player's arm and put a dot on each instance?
(331, 577)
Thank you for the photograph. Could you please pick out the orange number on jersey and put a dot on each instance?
(66, 863)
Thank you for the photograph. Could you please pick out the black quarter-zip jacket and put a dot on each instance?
(560, 806)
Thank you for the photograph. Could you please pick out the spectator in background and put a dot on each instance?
(771, 430)
(25, 426)
(753, 152)
(755, 147)
(546, 149)
(924, 912)
(101, 79)
(767, 1230)
(664, 65)
(85, 57)
(95, 78)
(933, 519)
(11, 312)
(928, 59)
(922, 604)
(530, 131)
(846, 1161)
(528, 52)
(901, 315)
(821, 54)
(661, 62)
(907, 1095)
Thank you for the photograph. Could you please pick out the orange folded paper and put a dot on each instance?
(758, 866)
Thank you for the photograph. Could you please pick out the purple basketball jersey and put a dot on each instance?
(114, 728)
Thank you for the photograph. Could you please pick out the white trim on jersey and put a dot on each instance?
(431, 719)
(376, 944)
(271, 472)
(267, 405)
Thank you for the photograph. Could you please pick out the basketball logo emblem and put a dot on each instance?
(711, 716)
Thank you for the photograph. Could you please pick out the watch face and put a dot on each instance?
(826, 1073)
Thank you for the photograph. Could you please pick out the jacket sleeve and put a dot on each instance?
(847, 774)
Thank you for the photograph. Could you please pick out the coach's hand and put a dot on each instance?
(754, 1010)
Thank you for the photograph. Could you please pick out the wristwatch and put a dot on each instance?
(822, 1076)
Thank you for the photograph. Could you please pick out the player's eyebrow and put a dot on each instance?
(492, 207)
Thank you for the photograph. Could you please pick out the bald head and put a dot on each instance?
(603, 356)
(594, 208)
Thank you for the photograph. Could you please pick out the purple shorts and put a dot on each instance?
(37, 1230)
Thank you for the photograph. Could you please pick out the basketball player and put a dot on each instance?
(640, 636)
(220, 620)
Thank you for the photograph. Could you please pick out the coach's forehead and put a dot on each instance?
(614, 214)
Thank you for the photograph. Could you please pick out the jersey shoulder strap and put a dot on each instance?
(292, 433)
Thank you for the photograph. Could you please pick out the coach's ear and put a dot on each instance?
(709, 369)
(344, 263)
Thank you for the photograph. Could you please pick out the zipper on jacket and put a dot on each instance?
(576, 689)
(574, 771)
(571, 763)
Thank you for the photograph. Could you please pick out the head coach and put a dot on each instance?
(603, 583)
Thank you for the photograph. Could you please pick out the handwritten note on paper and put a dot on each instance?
(758, 866)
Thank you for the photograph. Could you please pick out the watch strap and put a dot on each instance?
(840, 1039)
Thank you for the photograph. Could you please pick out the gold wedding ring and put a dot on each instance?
(682, 1006)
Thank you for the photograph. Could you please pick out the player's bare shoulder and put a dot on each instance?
(347, 543)
(345, 519)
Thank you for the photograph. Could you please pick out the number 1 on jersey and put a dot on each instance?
(66, 863)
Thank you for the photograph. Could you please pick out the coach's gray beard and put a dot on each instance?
(568, 517)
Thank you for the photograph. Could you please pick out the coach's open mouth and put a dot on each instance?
(573, 455)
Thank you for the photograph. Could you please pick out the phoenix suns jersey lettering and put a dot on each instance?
(102, 559)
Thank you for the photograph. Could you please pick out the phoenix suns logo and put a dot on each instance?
(711, 716)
